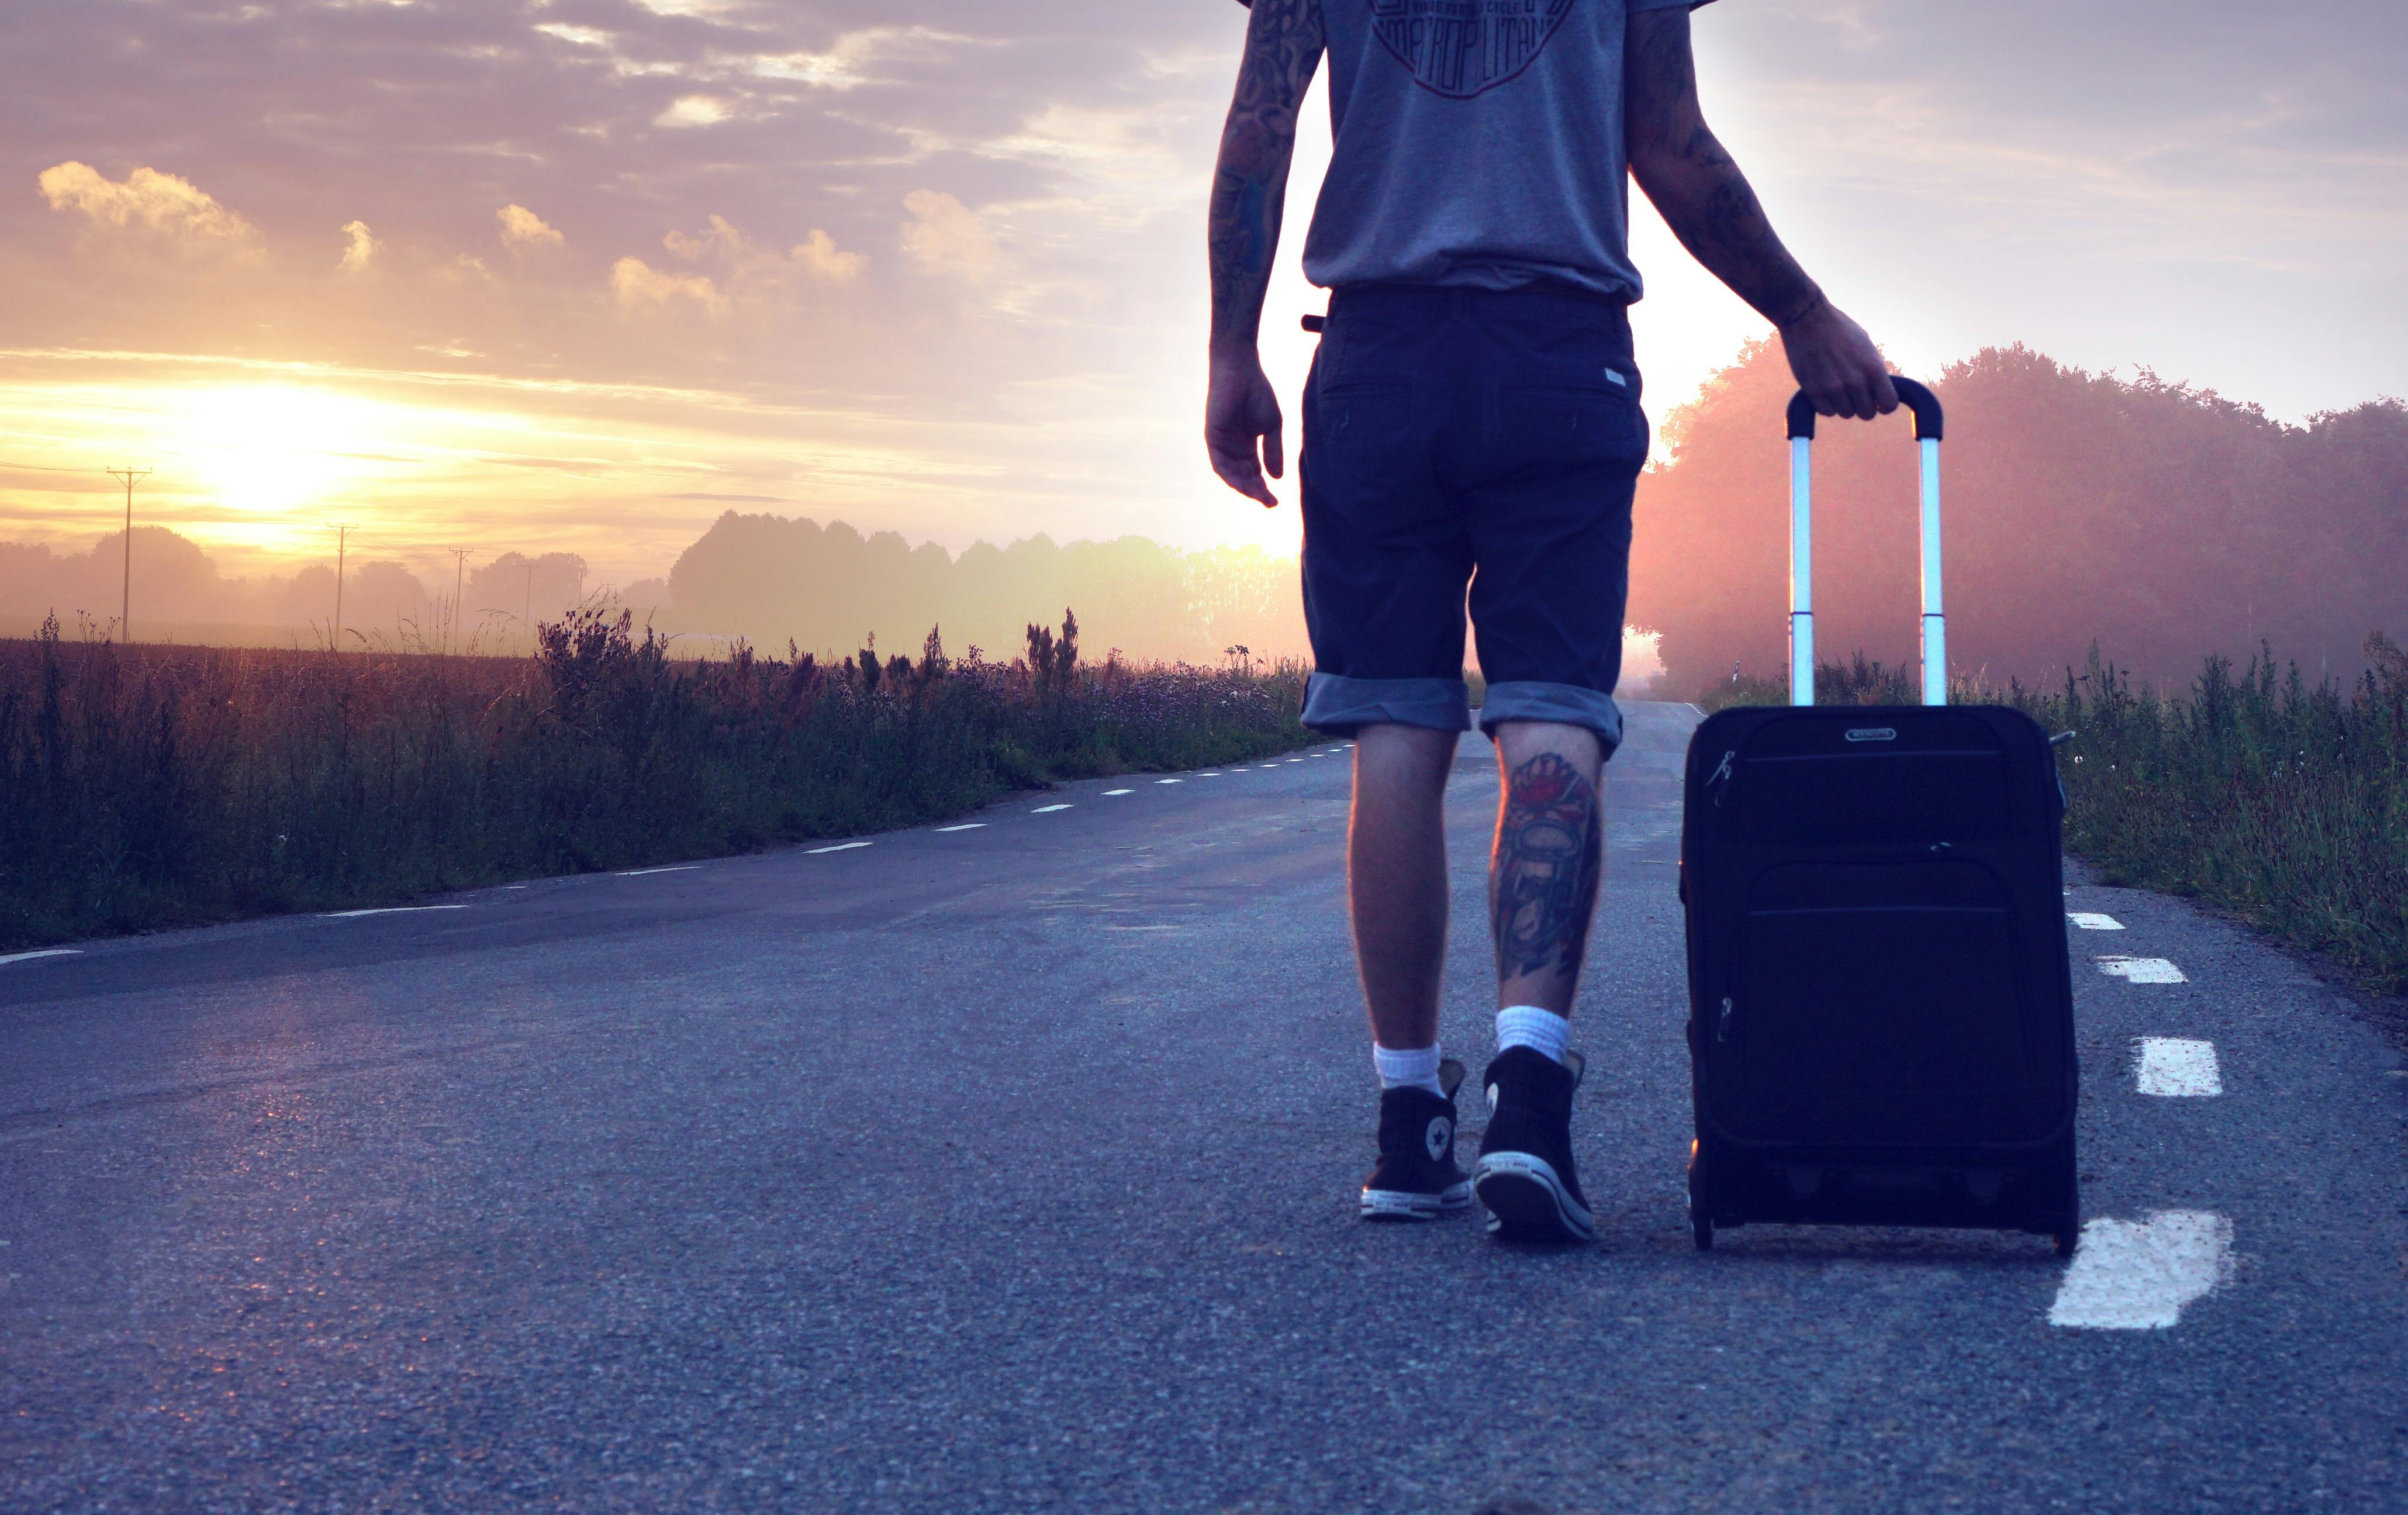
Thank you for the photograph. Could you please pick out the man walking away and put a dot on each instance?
(1472, 418)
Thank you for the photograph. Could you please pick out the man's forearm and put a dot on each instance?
(1695, 184)
(1715, 212)
(1248, 199)
(1250, 183)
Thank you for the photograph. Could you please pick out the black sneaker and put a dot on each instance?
(1525, 1175)
(1417, 1177)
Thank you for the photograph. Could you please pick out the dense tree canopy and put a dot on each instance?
(2164, 522)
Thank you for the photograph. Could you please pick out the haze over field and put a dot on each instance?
(579, 276)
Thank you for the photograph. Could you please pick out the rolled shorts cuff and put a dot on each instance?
(1341, 706)
(1566, 704)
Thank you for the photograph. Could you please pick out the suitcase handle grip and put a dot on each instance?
(1928, 421)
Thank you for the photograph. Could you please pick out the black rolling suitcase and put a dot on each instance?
(1880, 1011)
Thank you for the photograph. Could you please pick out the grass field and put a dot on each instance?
(2283, 803)
(148, 786)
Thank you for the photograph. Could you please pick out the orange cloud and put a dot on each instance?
(145, 199)
(523, 228)
(948, 236)
(363, 247)
(818, 254)
(636, 282)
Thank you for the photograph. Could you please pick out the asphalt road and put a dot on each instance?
(1013, 1168)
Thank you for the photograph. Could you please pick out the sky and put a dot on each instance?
(582, 274)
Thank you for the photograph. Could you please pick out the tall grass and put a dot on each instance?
(2283, 803)
(147, 787)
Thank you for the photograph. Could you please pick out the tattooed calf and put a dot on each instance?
(1543, 880)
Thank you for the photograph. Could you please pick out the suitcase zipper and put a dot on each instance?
(1722, 1023)
(1722, 776)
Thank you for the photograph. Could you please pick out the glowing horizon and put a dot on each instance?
(937, 271)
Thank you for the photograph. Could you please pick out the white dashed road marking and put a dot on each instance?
(673, 868)
(2136, 1276)
(2176, 1067)
(841, 846)
(969, 827)
(45, 952)
(2142, 970)
(1108, 793)
(1170, 781)
(1210, 773)
(1047, 810)
(387, 910)
(2090, 920)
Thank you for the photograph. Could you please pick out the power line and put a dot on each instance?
(49, 467)
(342, 536)
(125, 611)
(458, 581)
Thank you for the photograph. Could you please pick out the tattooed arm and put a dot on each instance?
(1283, 45)
(1707, 202)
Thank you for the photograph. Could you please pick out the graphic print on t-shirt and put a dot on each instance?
(1463, 48)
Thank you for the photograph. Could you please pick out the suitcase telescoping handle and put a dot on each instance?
(1927, 424)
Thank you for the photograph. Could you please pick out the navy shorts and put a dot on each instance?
(1469, 437)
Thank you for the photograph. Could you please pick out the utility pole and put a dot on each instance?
(343, 533)
(125, 612)
(526, 607)
(459, 580)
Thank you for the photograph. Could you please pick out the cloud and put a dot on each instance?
(523, 228)
(636, 282)
(696, 110)
(363, 247)
(853, 61)
(146, 198)
(722, 238)
(818, 256)
(947, 236)
(746, 265)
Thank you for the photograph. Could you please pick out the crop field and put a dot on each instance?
(148, 786)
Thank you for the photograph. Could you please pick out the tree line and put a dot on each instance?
(2164, 522)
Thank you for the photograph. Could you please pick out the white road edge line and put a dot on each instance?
(45, 952)
(2090, 920)
(970, 826)
(385, 910)
(2176, 1067)
(673, 868)
(2142, 970)
(841, 846)
(1047, 810)
(2136, 1276)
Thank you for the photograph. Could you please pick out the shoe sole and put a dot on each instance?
(1528, 1203)
(1405, 1204)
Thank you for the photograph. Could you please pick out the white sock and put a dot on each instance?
(1526, 1025)
(1415, 1067)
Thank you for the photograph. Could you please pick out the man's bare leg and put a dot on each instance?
(1396, 877)
(1542, 881)
(1550, 854)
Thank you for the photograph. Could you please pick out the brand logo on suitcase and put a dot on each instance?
(1873, 733)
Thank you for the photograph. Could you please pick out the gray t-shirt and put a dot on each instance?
(1479, 142)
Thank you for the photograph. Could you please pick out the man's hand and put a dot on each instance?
(1837, 364)
(1240, 411)
(1284, 46)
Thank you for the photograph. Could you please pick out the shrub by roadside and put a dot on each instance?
(152, 786)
